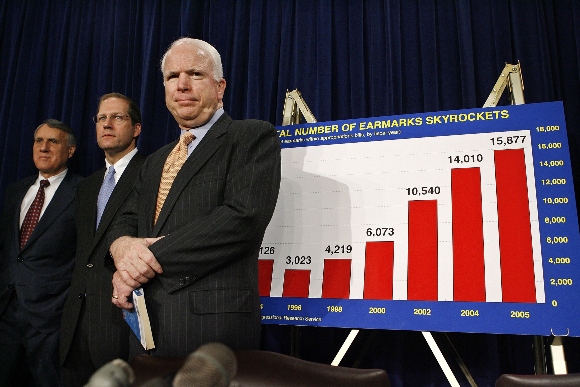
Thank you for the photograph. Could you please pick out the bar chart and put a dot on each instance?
(476, 224)
(441, 218)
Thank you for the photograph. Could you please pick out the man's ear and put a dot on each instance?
(137, 130)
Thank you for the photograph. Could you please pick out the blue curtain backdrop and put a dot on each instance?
(350, 59)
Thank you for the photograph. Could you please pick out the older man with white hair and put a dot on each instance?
(192, 233)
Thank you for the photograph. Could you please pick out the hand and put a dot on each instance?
(121, 292)
(135, 263)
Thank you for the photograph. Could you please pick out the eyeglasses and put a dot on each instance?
(118, 118)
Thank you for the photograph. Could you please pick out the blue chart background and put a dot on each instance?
(559, 315)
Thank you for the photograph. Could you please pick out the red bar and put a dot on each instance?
(336, 278)
(296, 283)
(467, 224)
(515, 238)
(422, 271)
(378, 283)
(265, 268)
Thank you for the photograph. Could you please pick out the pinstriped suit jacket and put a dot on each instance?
(108, 337)
(213, 222)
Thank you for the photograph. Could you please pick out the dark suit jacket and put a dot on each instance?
(40, 273)
(213, 220)
(108, 332)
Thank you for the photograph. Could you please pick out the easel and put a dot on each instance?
(511, 76)
(440, 344)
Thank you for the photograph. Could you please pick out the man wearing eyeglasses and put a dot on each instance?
(93, 330)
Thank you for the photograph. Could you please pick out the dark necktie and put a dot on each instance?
(33, 214)
(105, 193)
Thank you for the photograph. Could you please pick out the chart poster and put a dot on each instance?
(458, 221)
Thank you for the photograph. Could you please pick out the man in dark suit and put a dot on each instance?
(38, 248)
(195, 252)
(93, 329)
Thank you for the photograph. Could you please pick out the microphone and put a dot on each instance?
(116, 373)
(211, 365)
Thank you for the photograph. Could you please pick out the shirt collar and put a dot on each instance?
(121, 164)
(200, 131)
(53, 180)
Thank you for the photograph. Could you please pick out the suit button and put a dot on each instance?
(181, 282)
(80, 296)
(19, 259)
(187, 280)
(90, 265)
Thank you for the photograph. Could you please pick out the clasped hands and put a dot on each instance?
(135, 265)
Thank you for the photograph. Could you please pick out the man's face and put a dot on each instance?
(51, 151)
(116, 138)
(192, 95)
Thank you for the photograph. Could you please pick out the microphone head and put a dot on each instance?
(164, 381)
(211, 365)
(116, 373)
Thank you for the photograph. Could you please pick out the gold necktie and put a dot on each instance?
(172, 166)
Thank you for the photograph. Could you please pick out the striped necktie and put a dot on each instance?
(172, 166)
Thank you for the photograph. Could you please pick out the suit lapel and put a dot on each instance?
(19, 194)
(87, 212)
(211, 142)
(91, 197)
(62, 198)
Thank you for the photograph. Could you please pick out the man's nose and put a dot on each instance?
(184, 83)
